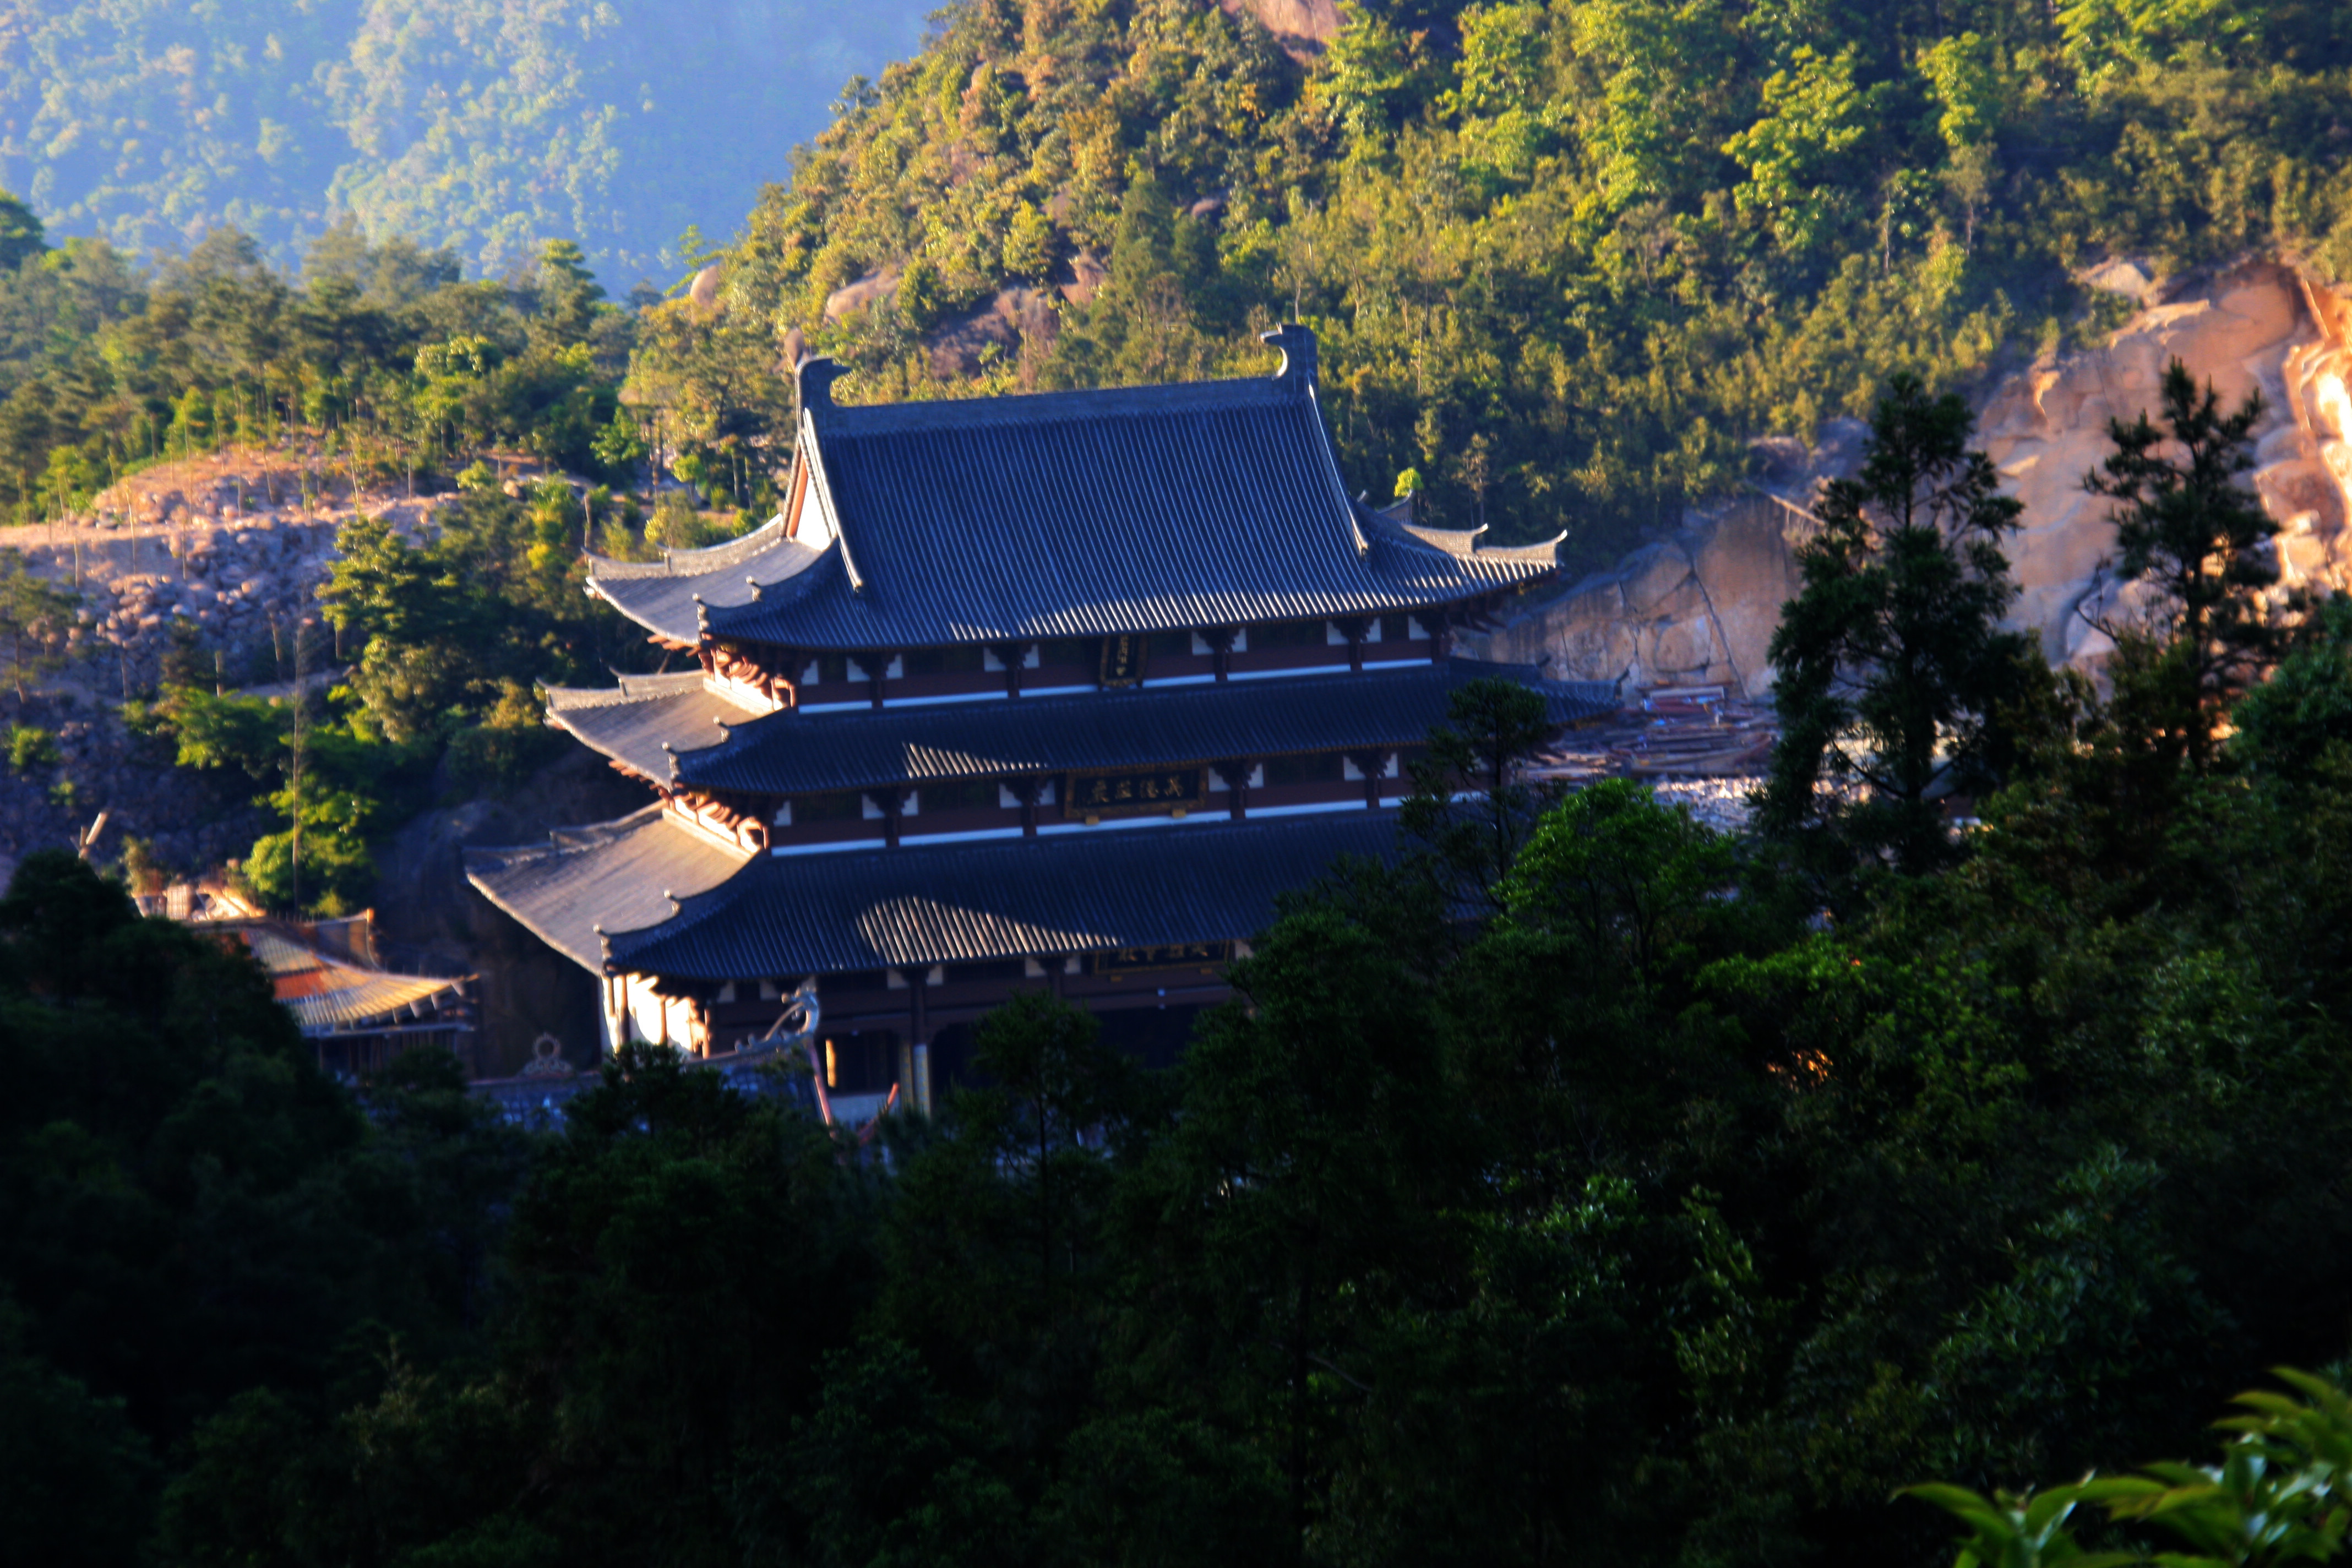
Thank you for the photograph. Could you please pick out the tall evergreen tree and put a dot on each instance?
(1890, 663)
(2186, 526)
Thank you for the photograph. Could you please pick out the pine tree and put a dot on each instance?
(1889, 663)
(2186, 526)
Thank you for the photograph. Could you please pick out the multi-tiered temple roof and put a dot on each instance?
(1072, 514)
(1050, 690)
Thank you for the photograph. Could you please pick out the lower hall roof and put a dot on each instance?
(621, 876)
(788, 916)
(644, 721)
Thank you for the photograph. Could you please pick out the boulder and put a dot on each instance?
(1302, 27)
(1012, 318)
(1087, 274)
(858, 295)
(1697, 608)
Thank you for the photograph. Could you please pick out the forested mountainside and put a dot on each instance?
(482, 125)
(1567, 259)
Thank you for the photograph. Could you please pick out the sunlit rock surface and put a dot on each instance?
(1698, 607)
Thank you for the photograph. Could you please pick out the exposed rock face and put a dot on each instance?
(1013, 318)
(2250, 330)
(1301, 26)
(1699, 607)
(859, 293)
(1694, 609)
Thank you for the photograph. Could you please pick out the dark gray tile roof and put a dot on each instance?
(659, 596)
(612, 874)
(1085, 513)
(630, 722)
(793, 753)
(792, 915)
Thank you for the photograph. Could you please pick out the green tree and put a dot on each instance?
(2186, 526)
(1814, 116)
(1301, 1195)
(21, 236)
(1889, 664)
(2297, 724)
(1493, 729)
(2275, 1495)
(35, 616)
(75, 1476)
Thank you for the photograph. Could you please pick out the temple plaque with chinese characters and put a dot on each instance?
(1205, 955)
(1122, 661)
(1134, 792)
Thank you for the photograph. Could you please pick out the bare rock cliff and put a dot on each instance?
(1699, 607)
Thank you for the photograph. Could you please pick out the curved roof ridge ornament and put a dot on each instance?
(819, 482)
(813, 381)
(1300, 357)
(1299, 372)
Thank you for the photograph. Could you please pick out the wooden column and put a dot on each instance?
(1371, 764)
(1027, 790)
(1236, 774)
(918, 1039)
(876, 674)
(893, 802)
(1014, 655)
(1221, 647)
(1355, 628)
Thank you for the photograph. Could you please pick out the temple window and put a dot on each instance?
(1315, 767)
(841, 806)
(964, 794)
(968, 660)
(1293, 634)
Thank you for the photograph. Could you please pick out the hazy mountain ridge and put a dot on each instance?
(483, 126)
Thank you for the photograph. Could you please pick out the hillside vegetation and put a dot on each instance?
(1567, 259)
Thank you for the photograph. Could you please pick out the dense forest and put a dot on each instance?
(1567, 260)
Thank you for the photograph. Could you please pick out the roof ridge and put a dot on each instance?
(853, 420)
(647, 689)
(700, 562)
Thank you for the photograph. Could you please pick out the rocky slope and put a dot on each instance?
(1699, 607)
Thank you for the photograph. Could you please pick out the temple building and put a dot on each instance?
(1036, 692)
